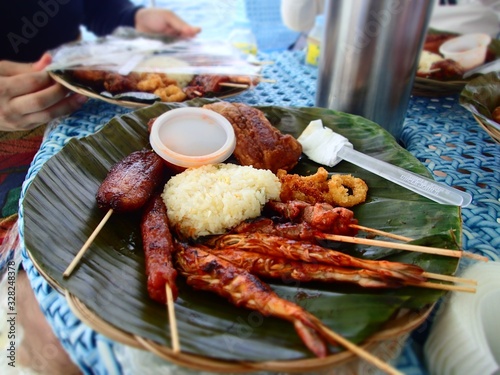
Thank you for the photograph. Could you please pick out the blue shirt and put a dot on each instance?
(28, 28)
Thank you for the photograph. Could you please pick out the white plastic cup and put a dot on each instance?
(468, 50)
(192, 137)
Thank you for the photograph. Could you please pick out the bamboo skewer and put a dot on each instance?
(407, 239)
(172, 320)
(262, 62)
(360, 352)
(402, 246)
(429, 275)
(267, 80)
(236, 85)
(381, 233)
(86, 245)
(452, 279)
(455, 288)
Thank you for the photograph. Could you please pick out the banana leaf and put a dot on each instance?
(481, 96)
(60, 214)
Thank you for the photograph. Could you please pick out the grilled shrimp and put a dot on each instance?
(205, 271)
(312, 253)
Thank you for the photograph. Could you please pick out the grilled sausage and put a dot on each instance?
(131, 182)
(158, 247)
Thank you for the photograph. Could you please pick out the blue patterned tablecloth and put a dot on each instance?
(438, 131)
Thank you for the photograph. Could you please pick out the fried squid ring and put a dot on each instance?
(346, 190)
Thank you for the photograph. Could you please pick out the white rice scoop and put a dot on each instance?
(326, 147)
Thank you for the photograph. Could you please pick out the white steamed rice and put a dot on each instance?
(214, 198)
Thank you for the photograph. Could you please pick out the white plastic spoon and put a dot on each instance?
(324, 146)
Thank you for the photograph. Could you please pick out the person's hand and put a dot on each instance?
(163, 21)
(29, 97)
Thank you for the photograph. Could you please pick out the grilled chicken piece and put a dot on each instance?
(258, 143)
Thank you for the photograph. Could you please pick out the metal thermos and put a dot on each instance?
(369, 57)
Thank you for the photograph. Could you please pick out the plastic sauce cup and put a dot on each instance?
(192, 137)
(468, 50)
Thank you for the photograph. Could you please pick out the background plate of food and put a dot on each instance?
(108, 288)
(481, 96)
(135, 70)
(438, 76)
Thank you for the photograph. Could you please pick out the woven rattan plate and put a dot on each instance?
(433, 87)
(107, 290)
(60, 78)
(386, 344)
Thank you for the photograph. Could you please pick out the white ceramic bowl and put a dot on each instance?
(468, 50)
(192, 137)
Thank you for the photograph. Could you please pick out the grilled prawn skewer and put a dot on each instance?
(280, 268)
(208, 272)
(312, 253)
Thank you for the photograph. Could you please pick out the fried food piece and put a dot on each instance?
(258, 143)
(150, 82)
(310, 189)
(171, 93)
(346, 190)
(339, 190)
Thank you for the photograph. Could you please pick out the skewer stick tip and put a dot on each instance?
(469, 255)
(452, 288)
(360, 352)
(86, 245)
(454, 279)
(172, 320)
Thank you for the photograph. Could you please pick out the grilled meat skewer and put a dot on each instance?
(130, 183)
(321, 216)
(158, 246)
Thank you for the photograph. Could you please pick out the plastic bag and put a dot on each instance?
(128, 64)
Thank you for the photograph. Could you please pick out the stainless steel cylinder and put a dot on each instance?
(369, 57)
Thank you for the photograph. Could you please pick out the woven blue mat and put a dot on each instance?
(440, 133)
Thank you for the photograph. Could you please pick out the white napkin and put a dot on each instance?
(465, 337)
